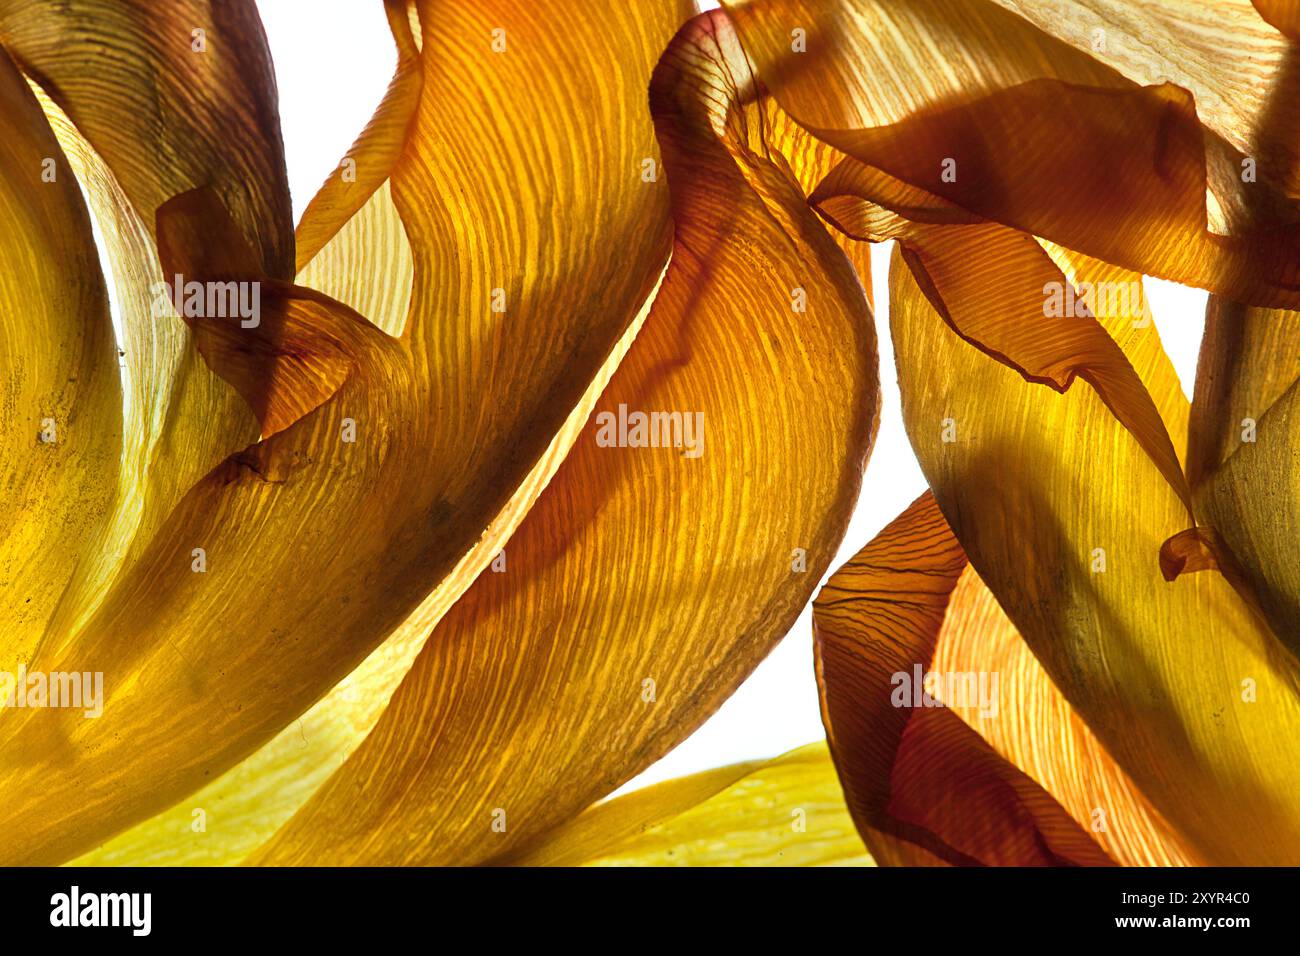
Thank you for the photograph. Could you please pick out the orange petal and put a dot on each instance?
(1021, 130)
(1034, 727)
(645, 584)
(431, 448)
(1063, 516)
(370, 161)
(1283, 14)
(187, 99)
(910, 769)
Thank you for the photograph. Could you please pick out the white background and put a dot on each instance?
(333, 61)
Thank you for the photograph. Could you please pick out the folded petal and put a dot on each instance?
(61, 431)
(186, 99)
(285, 349)
(1118, 175)
(1188, 42)
(1062, 515)
(1251, 503)
(910, 767)
(179, 418)
(1000, 290)
(1029, 722)
(426, 442)
(1019, 128)
(243, 807)
(369, 164)
(1242, 429)
(647, 581)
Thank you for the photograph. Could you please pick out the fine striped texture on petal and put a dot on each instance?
(1247, 363)
(173, 96)
(246, 805)
(910, 767)
(1031, 724)
(1020, 128)
(372, 158)
(1243, 428)
(1238, 67)
(1132, 193)
(179, 418)
(408, 536)
(61, 428)
(647, 581)
(422, 455)
(294, 349)
(1250, 501)
(1062, 515)
(1000, 291)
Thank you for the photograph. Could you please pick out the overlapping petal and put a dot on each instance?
(911, 768)
(372, 159)
(1033, 726)
(61, 431)
(173, 97)
(1242, 72)
(1242, 433)
(244, 807)
(1250, 499)
(273, 539)
(179, 418)
(1178, 683)
(1037, 136)
(279, 612)
(1019, 128)
(1001, 291)
(646, 582)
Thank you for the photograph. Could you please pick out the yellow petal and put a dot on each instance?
(1062, 516)
(243, 807)
(784, 812)
(186, 100)
(61, 430)
(372, 243)
(1242, 432)
(1251, 502)
(1188, 42)
(1000, 291)
(450, 421)
(351, 232)
(369, 163)
(647, 581)
(179, 418)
